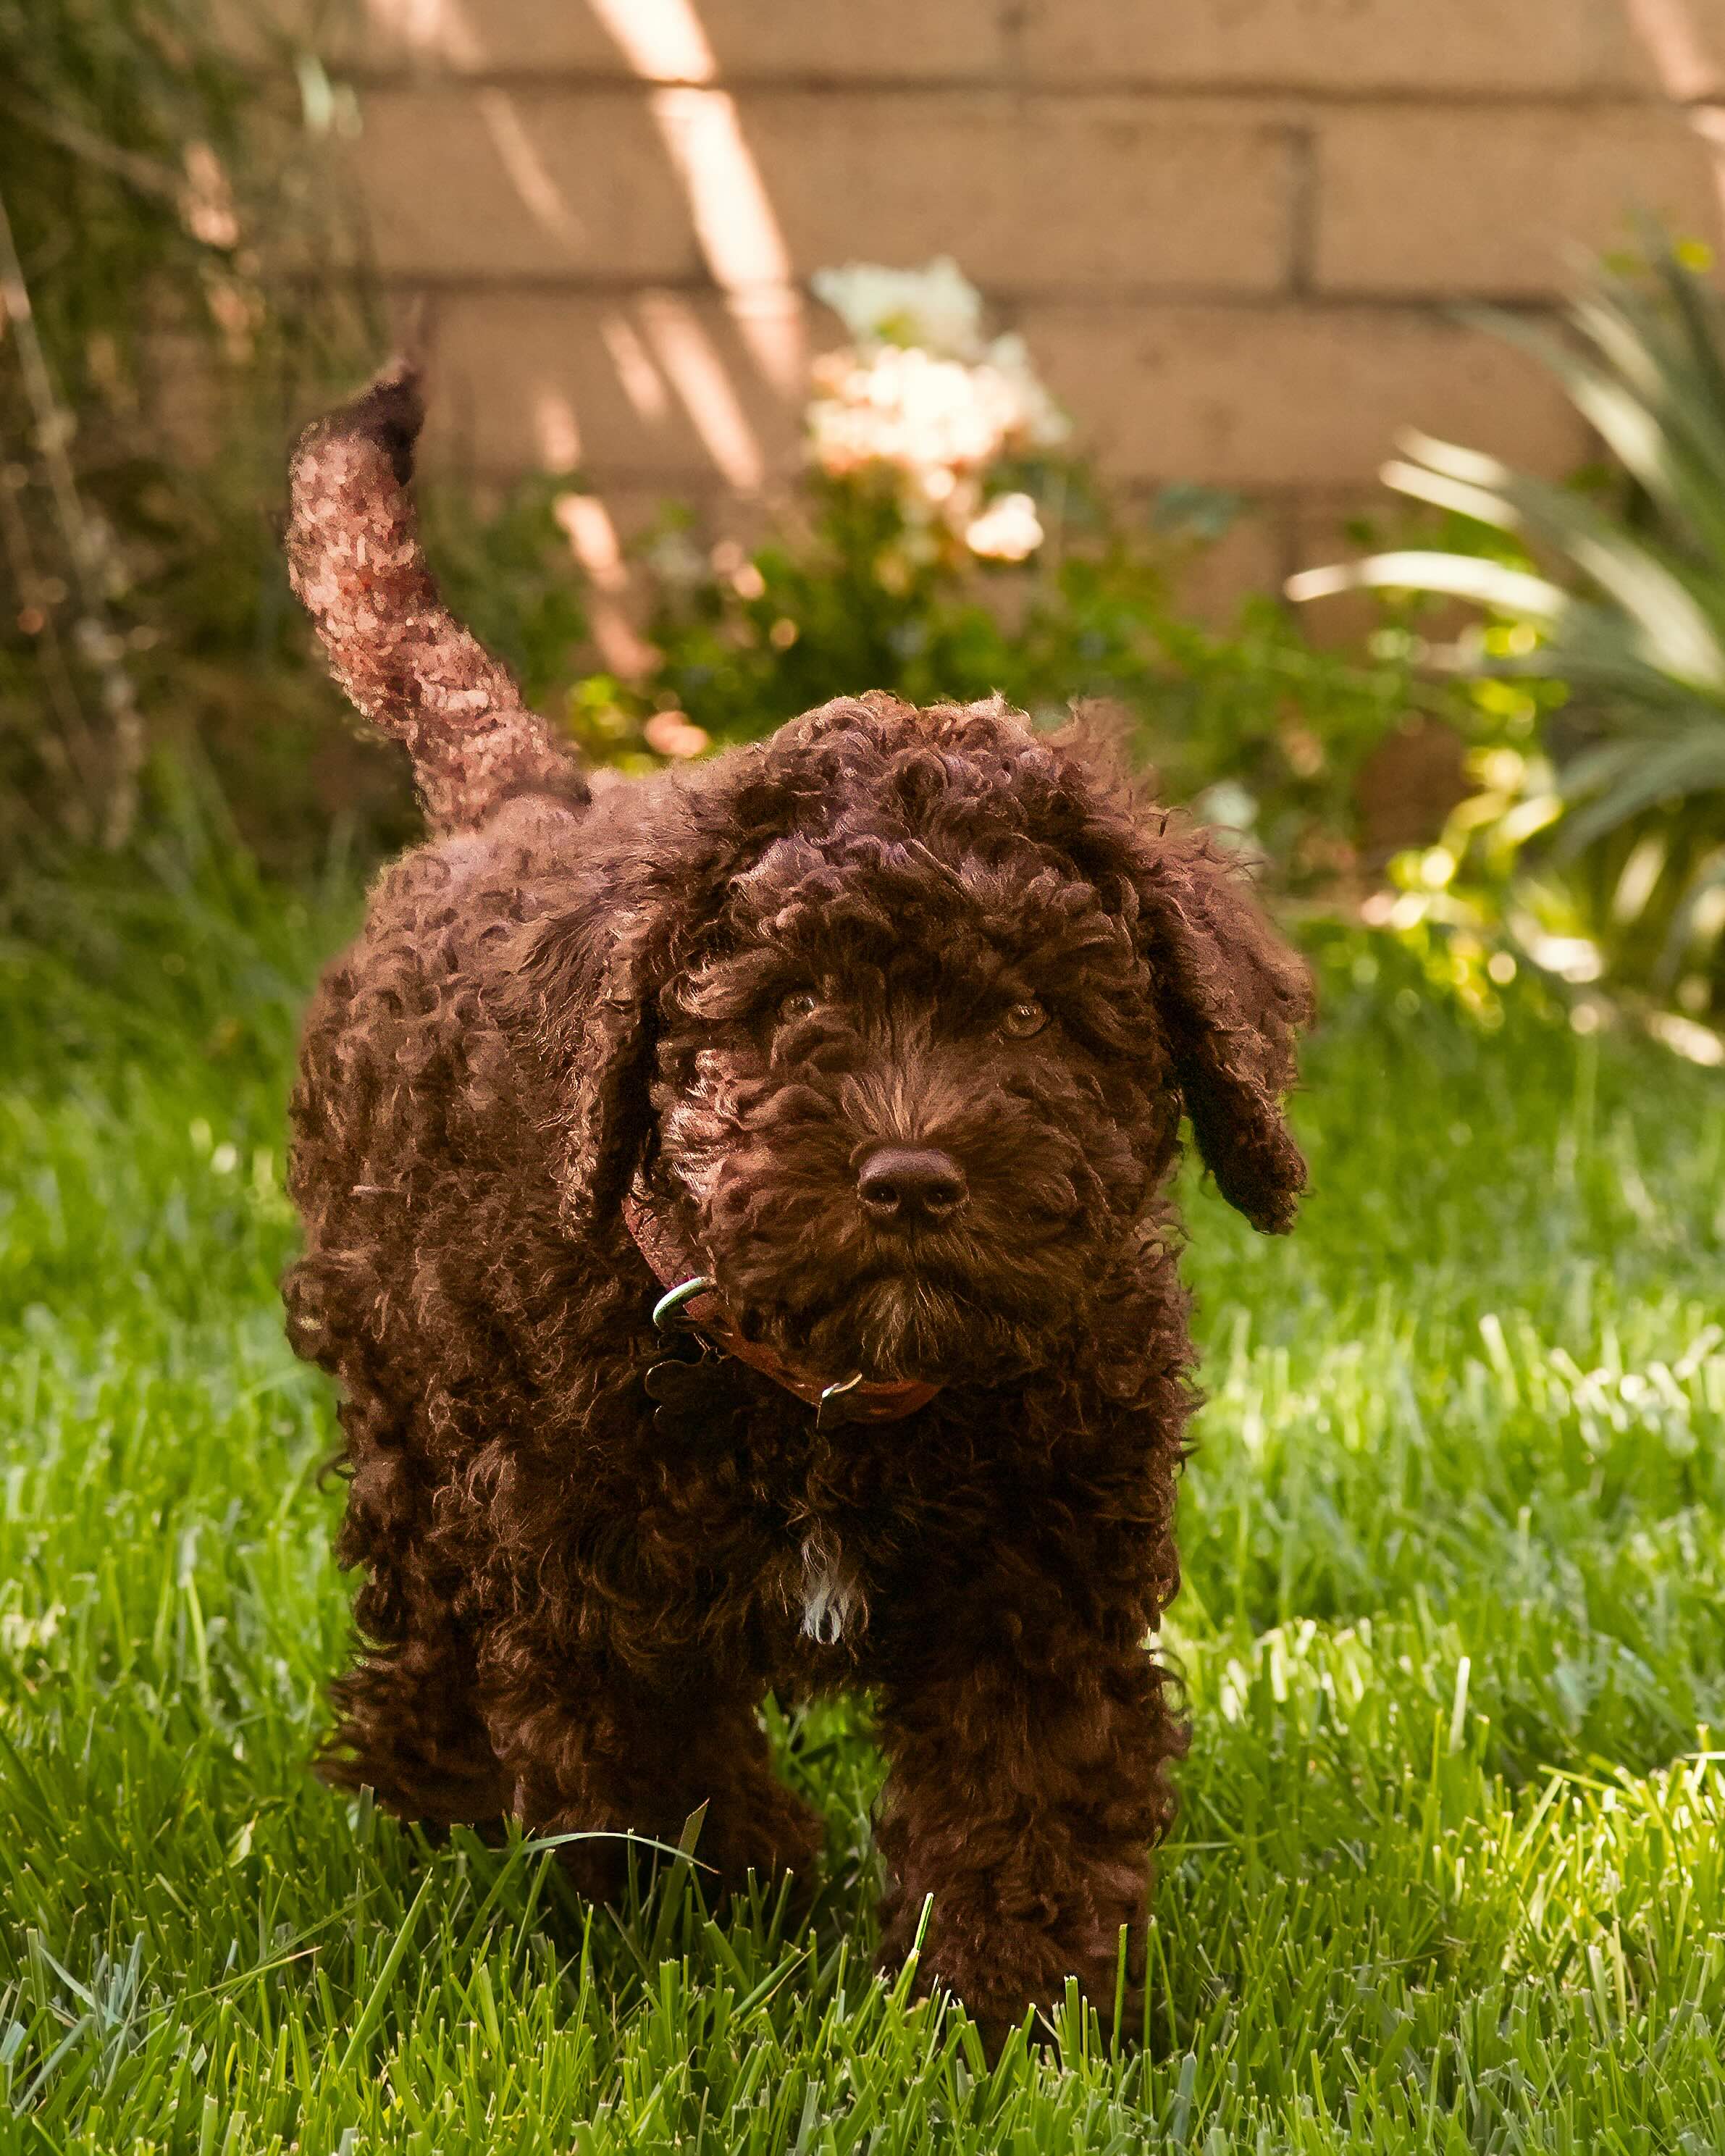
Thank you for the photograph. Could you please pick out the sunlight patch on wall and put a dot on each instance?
(734, 222)
(440, 30)
(1685, 70)
(641, 382)
(1667, 28)
(433, 29)
(541, 195)
(555, 425)
(663, 39)
(696, 372)
(587, 524)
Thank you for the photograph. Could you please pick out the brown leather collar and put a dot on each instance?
(855, 1399)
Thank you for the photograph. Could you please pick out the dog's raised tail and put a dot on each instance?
(355, 565)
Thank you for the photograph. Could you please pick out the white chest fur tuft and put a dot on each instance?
(832, 1601)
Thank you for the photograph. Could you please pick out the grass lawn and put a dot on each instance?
(1449, 1870)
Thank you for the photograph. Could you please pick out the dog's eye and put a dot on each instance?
(1021, 1020)
(799, 1003)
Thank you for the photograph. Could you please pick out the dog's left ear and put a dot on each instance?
(1233, 997)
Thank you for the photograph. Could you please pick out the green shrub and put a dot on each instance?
(1599, 691)
(1267, 731)
(943, 545)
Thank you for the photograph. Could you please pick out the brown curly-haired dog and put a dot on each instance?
(882, 1029)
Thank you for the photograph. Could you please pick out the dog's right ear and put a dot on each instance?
(587, 986)
(590, 988)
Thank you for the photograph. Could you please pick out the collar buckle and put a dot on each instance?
(670, 1313)
(833, 1410)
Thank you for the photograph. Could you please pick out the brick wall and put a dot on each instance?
(1233, 231)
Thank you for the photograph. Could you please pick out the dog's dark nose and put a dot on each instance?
(910, 1183)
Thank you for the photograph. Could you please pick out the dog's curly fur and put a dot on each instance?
(722, 985)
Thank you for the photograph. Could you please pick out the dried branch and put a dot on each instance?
(90, 551)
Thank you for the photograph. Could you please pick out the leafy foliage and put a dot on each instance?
(158, 205)
(1635, 634)
(103, 100)
(860, 596)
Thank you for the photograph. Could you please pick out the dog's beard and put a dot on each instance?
(837, 1297)
(906, 1324)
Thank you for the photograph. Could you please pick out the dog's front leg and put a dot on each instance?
(1028, 1783)
(595, 1748)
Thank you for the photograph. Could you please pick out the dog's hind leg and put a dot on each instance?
(407, 1722)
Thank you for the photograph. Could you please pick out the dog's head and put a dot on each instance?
(898, 1014)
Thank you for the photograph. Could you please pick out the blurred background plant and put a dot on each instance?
(944, 544)
(184, 279)
(157, 214)
(1593, 842)
(170, 218)
(171, 210)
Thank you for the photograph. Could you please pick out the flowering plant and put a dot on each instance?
(921, 398)
(934, 465)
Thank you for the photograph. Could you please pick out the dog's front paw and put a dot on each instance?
(1000, 1969)
(766, 1830)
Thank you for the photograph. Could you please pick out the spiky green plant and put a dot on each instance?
(1632, 617)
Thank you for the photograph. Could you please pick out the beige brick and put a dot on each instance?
(1540, 46)
(425, 37)
(753, 40)
(1285, 397)
(489, 183)
(887, 39)
(486, 36)
(1495, 201)
(467, 182)
(1277, 398)
(1057, 192)
(1211, 583)
(526, 380)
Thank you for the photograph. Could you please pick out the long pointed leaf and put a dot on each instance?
(1678, 636)
(1683, 768)
(1459, 576)
(1478, 502)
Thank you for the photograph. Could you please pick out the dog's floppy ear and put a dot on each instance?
(593, 992)
(590, 976)
(1233, 997)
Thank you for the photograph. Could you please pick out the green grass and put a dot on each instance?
(1449, 1874)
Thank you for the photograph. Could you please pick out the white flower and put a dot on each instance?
(905, 406)
(1007, 531)
(1041, 421)
(936, 307)
(920, 393)
(1227, 805)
